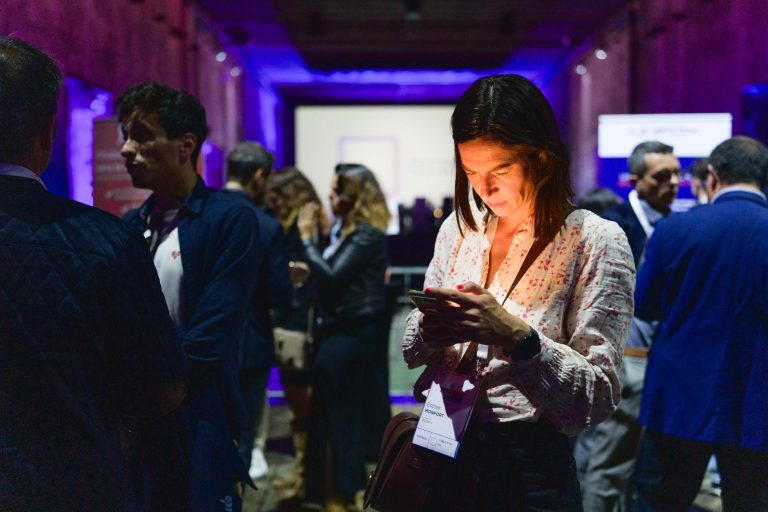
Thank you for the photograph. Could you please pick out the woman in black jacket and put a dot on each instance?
(350, 275)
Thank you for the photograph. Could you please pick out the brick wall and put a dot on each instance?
(112, 44)
(686, 56)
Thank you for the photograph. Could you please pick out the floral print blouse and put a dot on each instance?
(578, 295)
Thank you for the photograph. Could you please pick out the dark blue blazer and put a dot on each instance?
(193, 456)
(256, 349)
(625, 217)
(705, 277)
(84, 331)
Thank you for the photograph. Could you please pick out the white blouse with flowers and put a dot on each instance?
(577, 295)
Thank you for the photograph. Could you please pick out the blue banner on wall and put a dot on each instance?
(692, 136)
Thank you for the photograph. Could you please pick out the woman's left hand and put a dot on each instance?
(479, 317)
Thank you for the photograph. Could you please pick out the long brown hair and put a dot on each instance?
(358, 186)
(296, 190)
(511, 110)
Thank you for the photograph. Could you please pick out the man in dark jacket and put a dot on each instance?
(249, 165)
(655, 175)
(87, 349)
(705, 279)
(654, 172)
(205, 247)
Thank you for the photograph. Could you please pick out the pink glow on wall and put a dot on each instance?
(113, 45)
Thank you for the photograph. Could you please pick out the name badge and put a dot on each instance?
(446, 413)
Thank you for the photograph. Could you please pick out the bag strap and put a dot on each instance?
(536, 249)
(310, 321)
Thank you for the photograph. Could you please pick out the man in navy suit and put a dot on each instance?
(88, 351)
(249, 166)
(654, 172)
(705, 279)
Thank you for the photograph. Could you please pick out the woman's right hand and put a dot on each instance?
(299, 273)
(307, 220)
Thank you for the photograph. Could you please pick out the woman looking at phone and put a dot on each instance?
(555, 345)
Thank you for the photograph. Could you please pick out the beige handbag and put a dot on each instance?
(292, 347)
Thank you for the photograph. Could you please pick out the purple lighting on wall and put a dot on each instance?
(84, 104)
(376, 85)
(399, 77)
(755, 111)
(287, 71)
(281, 77)
(267, 106)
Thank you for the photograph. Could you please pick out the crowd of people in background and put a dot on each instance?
(177, 308)
(135, 353)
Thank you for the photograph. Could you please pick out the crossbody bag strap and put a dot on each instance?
(538, 246)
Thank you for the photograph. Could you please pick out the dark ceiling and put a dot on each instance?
(413, 34)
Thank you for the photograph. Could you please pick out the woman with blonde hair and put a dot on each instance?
(289, 190)
(350, 275)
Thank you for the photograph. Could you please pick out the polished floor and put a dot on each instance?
(279, 459)
(279, 449)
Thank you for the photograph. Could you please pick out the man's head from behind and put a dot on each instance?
(164, 129)
(29, 90)
(655, 174)
(249, 165)
(737, 161)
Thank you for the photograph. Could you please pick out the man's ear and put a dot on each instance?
(633, 179)
(188, 145)
(712, 182)
(258, 176)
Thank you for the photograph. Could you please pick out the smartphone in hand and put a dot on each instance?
(419, 298)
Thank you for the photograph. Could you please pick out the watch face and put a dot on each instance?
(529, 346)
